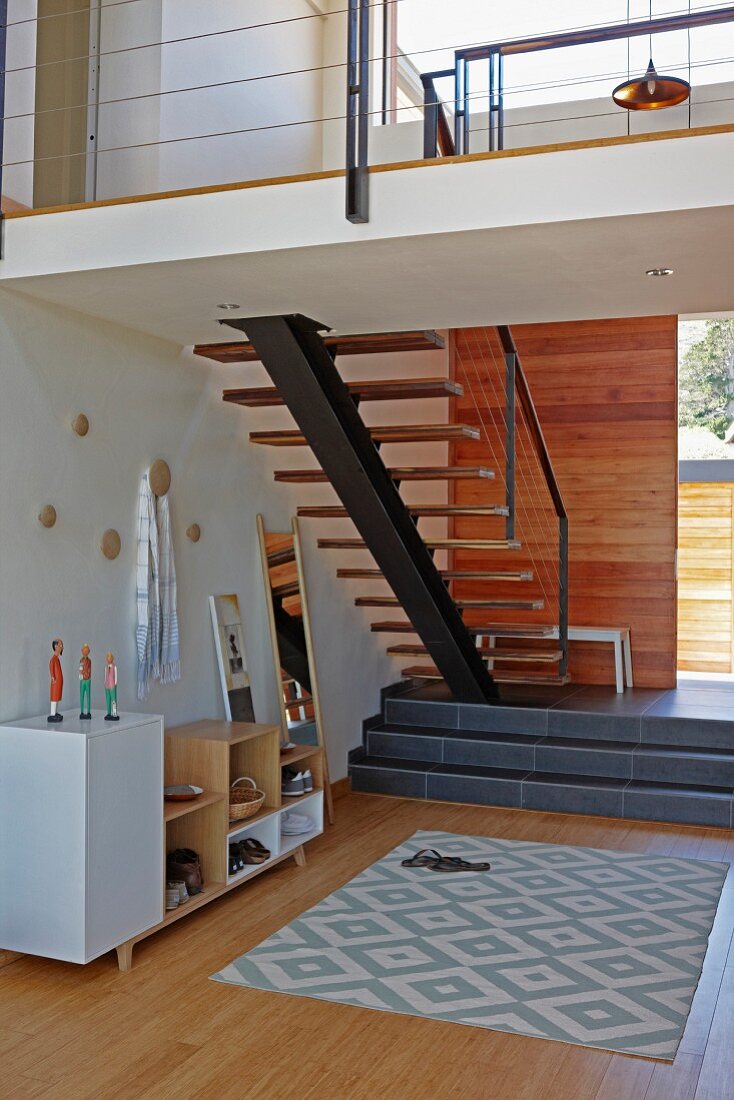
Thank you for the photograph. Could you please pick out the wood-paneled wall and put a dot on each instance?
(606, 397)
(705, 577)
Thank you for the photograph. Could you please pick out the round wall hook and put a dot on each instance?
(110, 544)
(80, 424)
(159, 477)
(194, 532)
(47, 515)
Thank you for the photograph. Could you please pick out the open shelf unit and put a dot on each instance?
(212, 755)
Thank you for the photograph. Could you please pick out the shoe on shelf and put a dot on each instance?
(252, 851)
(307, 781)
(180, 885)
(183, 865)
(295, 824)
(172, 896)
(292, 785)
(236, 862)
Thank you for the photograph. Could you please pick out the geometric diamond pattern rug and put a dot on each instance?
(580, 945)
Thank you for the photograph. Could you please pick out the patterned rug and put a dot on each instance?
(580, 945)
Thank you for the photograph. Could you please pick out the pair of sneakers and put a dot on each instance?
(294, 784)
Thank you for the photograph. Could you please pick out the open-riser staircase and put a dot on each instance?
(481, 619)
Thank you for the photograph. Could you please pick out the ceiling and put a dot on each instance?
(568, 270)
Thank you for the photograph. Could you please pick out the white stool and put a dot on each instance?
(619, 636)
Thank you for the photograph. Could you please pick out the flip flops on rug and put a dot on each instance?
(434, 861)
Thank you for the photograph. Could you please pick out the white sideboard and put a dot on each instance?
(81, 834)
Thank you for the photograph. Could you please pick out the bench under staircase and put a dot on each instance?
(517, 539)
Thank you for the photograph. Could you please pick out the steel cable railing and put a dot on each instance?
(481, 366)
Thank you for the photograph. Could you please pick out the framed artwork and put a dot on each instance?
(229, 642)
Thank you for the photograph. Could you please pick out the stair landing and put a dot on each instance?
(646, 754)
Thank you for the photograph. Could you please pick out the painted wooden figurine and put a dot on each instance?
(85, 684)
(57, 680)
(110, 689)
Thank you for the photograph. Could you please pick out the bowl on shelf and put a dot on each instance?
(182, 792)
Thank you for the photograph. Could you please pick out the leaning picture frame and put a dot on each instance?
(229, 644)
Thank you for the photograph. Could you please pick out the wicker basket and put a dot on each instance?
(243, 802)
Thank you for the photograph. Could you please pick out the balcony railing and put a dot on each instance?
(113, 99)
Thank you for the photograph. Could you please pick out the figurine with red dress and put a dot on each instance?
(57, 680)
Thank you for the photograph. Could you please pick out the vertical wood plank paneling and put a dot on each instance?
(606, 395)
(705, 577)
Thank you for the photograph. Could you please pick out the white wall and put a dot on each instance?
(144, 131)
(129, 66)
(20, 98)
(145, 399)
(236, 106)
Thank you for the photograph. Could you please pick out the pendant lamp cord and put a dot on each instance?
(629, 71)
(690, 95)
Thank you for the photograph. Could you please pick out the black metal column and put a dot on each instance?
(293, 353)
(358, 108)
(510, 444)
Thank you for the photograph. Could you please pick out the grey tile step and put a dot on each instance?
(555, 792)
(683, 764)
(567, 756)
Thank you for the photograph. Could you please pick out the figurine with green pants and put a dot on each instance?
(110, 689)
(85, 684)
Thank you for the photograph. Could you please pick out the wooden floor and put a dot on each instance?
(164, 1030)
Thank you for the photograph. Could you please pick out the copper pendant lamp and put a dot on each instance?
(651, 92)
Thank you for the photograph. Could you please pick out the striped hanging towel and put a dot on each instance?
(170, 663)
(147, 592)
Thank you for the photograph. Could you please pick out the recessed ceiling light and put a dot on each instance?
(229, 305)
(659, 272)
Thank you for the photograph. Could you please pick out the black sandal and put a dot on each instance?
(425, 858)
(453, 863)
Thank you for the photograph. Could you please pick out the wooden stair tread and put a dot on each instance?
(447, 574)
(281, 557)
(401, 473)
(369, 343)
(432, 544)
(392, 433)
(529, 656)
(496, 630)
(500, 676)
(335, 511)
(283, 591)
(464, 605)
(257, 397)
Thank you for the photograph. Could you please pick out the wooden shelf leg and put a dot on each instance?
(300, 856)
(125, 955)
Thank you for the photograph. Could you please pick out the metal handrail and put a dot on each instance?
(437, 137)
(541, 449)
(495, 52)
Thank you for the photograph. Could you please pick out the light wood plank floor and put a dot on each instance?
(164, 1030)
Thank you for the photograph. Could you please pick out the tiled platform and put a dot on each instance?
(645, 754)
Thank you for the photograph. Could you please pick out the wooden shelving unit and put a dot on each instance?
(212, 754)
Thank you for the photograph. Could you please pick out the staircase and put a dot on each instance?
(471, 622)
(556, 753)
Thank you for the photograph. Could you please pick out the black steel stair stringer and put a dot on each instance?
(294, 355)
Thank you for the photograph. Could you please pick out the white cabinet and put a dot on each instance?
(81, 834)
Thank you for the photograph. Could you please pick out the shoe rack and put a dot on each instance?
(212, 755)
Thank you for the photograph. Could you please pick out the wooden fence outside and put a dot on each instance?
(706, 577)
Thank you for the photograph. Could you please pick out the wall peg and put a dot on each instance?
(110, 544)
(159, 476)
(80, 424)
(194, 532)
(47, 515)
